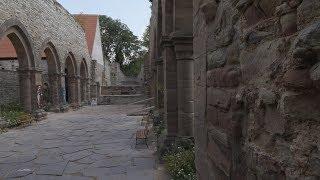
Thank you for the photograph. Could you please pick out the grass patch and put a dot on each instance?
(14, 115)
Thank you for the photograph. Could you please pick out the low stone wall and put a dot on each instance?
(120, 99)
(121, 90)
(119, 79)
(9, 87)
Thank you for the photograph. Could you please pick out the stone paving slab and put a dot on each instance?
(91, 143)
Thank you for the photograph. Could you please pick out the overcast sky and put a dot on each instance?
(134, 13)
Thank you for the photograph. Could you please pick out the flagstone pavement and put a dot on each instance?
(93, 143)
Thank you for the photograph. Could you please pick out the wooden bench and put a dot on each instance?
(142, 134)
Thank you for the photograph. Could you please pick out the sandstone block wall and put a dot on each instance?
(257, 89)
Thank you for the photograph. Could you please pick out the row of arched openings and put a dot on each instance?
(51, 87)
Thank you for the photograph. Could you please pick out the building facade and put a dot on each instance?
(43, 46)
(100, 70)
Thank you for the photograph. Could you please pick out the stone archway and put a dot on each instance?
(19, 38)
(84, 82)
(71, 81)
(53, 81)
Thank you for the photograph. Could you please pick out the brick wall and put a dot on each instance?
(9, 83)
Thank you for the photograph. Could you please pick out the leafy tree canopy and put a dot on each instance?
(121, 45)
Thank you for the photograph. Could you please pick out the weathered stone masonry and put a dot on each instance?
(256, 87)
(35, 26)
(172, 62)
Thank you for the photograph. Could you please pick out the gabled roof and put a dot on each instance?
(89, 24)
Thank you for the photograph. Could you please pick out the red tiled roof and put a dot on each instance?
(7, 50)
(89, 24)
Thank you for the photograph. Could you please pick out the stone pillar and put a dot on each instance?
(74, 88)
(54, 85)
(185, 74)
(95, 90)
(83, 89)
(159, 83)
(27, 90)
(170, 87)
(88, 90)
(63, 89)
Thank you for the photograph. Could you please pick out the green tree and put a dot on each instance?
(121, 45)
(146, 37)
(118, 42)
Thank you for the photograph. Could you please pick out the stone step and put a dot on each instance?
(141, 112)
(120, 99)
(144, 101)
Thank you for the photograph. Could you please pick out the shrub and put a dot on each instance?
(179, 159)
(181, 144)
(14, 115)
(181, 165)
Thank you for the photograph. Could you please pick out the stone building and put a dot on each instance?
(255, 82)
(171, 63)
(41, 30)
(100, 69)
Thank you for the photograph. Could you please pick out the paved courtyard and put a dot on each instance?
(91, 143)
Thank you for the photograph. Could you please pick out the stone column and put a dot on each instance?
(159, 83)
(170, 87)
(74, 84)
(63, 89)
(185, 74)
(55, 83)
(83, 89)
(88, 90)
(27, 90)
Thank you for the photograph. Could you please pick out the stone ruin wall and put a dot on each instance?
(9, 83)
(118, 78)
(47, 20)
(257, 89)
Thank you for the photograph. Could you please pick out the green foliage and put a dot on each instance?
(146, 37)
(119, 44)
(14, 115)
(159, 124)
(181, 165)
(179, 159)
(132, 69)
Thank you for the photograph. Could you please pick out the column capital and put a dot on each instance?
(158, 61)
(181, 38)
(183, 46)
(166, 41)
